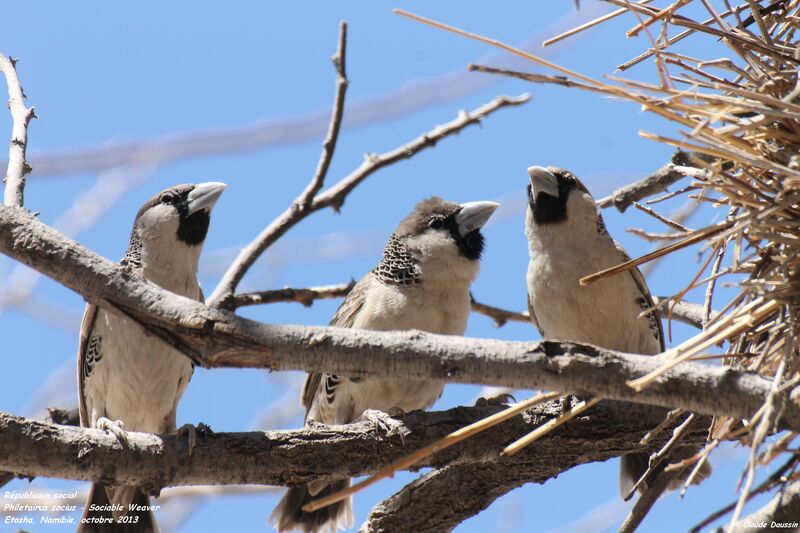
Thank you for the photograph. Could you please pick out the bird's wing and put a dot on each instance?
(84, 344)
(310, 388)
(344, 317)
(655, 314)
(533, 316)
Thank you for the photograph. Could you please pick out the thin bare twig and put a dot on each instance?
(686, 312)
(500, 316)
(18, 167)
(530, 76)
(335, 196)
(329, 144)
(587, 25)
(657, 458)
(661, 218)
(651, 236)
(305, 296)
(668, 420)
(709, 294)
(302, 205)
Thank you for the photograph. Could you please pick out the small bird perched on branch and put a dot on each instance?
(128, 378)
(422, 283)
(567, 240)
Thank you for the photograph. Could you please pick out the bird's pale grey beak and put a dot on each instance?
(543, 181)
(473, 215)
(204, 196)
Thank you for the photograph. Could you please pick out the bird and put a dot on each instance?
(567, 240)
(422, 282)
(129, 379)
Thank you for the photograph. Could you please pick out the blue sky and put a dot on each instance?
(104, 73)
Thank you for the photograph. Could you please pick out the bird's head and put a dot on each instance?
(556, 195)
(174, 222)
(438, 229)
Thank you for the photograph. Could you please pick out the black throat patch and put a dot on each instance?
(549, 209)
(397, 267)
(470, 245)
(193, 228)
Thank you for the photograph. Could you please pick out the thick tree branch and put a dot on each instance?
(478, 486)
(684, 312)
(335, 196)
(219, 338)
(459, 492)
(18, 167)
(34, 448)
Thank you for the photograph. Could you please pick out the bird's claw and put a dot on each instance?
(117, 427)
(566, 402)
(385, 422)
(395, 412)
(504, 398)
(191, 432)
(311, 423)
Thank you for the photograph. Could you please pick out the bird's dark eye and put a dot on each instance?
(167, 198)
(436, 223)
